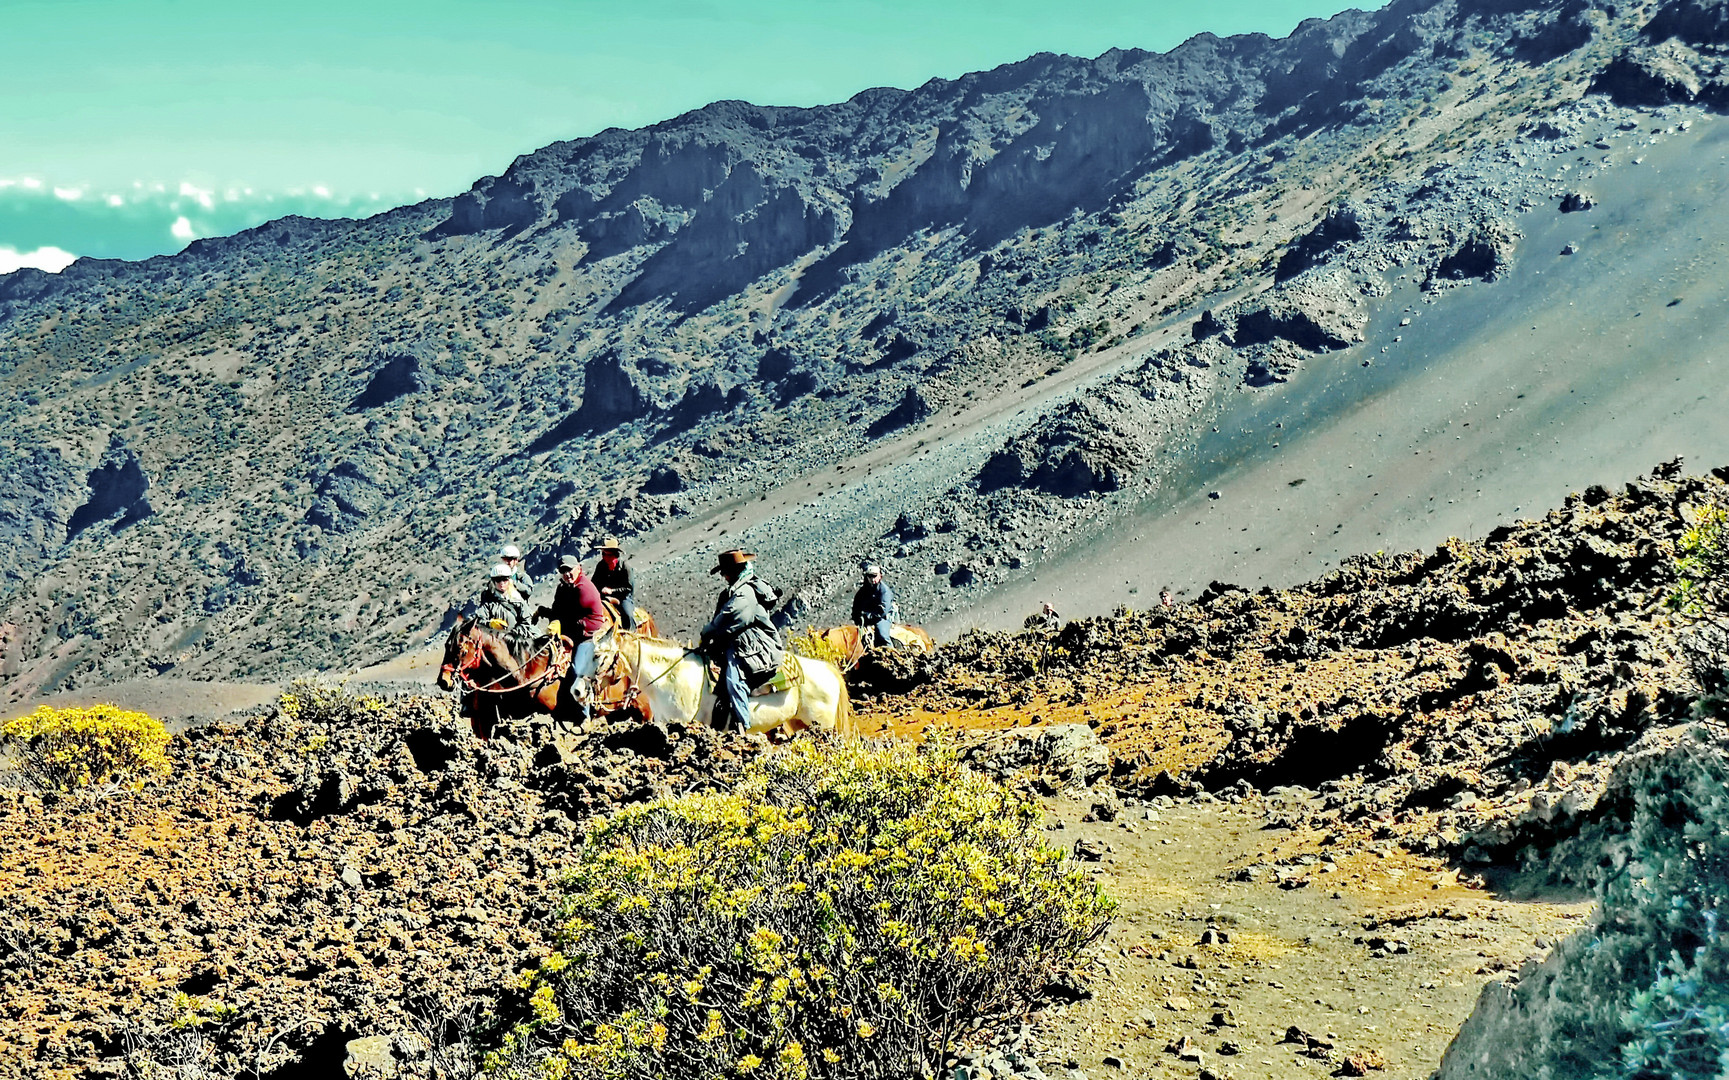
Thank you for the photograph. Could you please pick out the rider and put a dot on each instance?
(741, 636)
(873, 606)
(503, 609)
(616, 581)
(511, 555)
(580, 615)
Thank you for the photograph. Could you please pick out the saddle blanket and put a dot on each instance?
(782, 680)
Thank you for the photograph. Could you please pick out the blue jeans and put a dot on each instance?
(734, 693)
(885, 634)
(582, 660)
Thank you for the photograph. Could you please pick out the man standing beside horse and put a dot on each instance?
(741, 637)
(580, 615)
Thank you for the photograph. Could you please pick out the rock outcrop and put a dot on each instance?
(354, 869)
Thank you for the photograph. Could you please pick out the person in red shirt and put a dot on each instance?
(577, 609)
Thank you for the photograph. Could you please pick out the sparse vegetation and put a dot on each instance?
(842, 912)
(1701, 598)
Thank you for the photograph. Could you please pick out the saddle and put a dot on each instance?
(777, 681)
(783, 678)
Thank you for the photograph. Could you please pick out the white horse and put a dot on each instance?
(675, 682)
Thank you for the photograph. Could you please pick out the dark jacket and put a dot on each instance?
(873, 603)
(622, 582)
(741, 626)
(577, 608)
(510, 609)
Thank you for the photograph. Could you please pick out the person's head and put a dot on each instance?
(1165, 598)
(610, 549)
(569, 569)
(873, 574)
(510, 555)
(731, 564)
(501, 575)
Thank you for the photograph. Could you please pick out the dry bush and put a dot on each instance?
(841, 913)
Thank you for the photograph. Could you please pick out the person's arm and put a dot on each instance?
(731, 619)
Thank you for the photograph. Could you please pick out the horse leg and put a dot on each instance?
(484, 717)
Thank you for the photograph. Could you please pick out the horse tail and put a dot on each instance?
(844, 724)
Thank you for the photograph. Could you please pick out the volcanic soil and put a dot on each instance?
(1324, 812)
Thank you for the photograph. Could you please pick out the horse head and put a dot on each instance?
(461, 653)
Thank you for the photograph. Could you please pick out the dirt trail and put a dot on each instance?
(1298, 952)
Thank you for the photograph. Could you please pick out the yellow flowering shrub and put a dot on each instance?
(842, 912)
(66, 749)
(1700, 598)
(813, 644)
(325, 705)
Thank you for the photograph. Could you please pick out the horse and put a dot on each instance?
(644, 621)
(674, 682)
(481, 663)
(847, 642)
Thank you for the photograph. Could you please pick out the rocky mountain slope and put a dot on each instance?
(1314, 804)
(961, 329)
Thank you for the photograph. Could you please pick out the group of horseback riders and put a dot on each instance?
(742, 640)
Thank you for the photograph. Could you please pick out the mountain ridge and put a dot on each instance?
(677, 333)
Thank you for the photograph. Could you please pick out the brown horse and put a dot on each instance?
(847, 642)
(644, 621)
(481, 664)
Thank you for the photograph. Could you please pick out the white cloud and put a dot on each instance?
(32, 183)
(321, 191)
(115, 200)
(201, 194)
(70, 194)
(182, 229)
(51, 259)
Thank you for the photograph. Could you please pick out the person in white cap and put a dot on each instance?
(502, 608)
(511, 556)
(873, 607)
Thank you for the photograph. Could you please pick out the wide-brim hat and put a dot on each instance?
(732, 560)
(610, 543)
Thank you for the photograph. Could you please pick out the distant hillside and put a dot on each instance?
(952, 328)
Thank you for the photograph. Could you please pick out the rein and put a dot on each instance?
(492, 687)
(637, 638)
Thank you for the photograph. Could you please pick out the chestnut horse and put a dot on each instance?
(480, 663)
(847, 642)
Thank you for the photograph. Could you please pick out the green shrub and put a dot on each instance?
(842, 912)
(65, 749)
(1663, 936)
(1701, 599)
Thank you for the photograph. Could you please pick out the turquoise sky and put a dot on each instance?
(132, 126)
